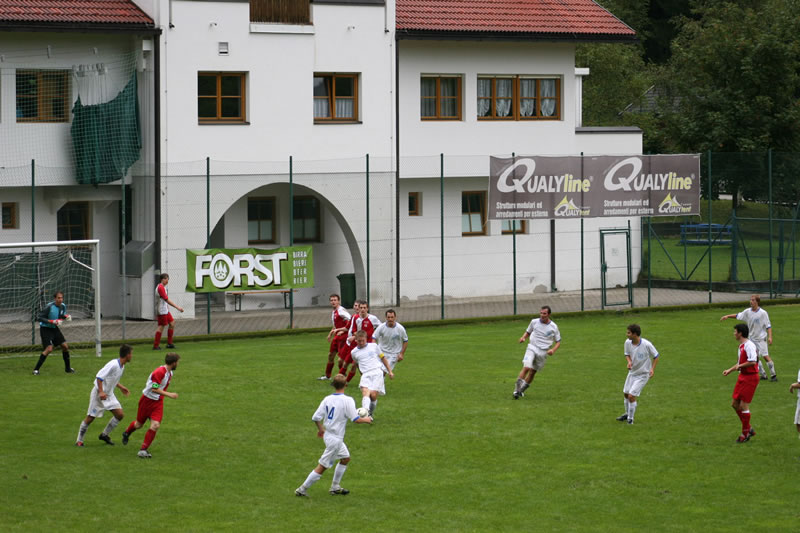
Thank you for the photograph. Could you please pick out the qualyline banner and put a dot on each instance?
(529, 187)
(249, 269)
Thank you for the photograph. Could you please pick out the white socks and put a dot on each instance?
(337, 476)
(111, 425)
(82, 431)
(631, 409)
(372, 406)
(312, 478)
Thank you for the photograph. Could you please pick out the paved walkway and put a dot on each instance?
(314, 317)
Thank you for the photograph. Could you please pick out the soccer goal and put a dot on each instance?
(31, 272)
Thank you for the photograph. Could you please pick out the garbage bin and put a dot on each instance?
(347, 289)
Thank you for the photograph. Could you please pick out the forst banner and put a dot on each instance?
(250, 269)
(530, 187)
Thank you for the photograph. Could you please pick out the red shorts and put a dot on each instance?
(165, 320)
(336, 343)
(344, 352)
(152, 409)
(745, 387)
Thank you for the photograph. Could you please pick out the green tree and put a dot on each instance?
(733, 82)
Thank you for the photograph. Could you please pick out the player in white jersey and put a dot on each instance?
(796, 387)
(372, 364)
(545, 339)
(760, 328)
(392, 338)
(102, 397)
(642, 359)
(331, 418)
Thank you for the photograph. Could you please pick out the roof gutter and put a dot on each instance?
(62, 27)
(439, 35)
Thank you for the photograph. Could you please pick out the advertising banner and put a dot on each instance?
(530, 187)
(249, 269)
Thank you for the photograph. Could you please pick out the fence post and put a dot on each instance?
(710, 279)
(441, 225)
(769, 174)
(208, 237)
(367, 193)
(582, 203)
(123, 267)
(33, 239)
(649, 262)
(291, 235)
(514, 249)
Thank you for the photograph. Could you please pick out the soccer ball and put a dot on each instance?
(362, 412)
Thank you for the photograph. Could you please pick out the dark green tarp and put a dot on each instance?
(105, 137)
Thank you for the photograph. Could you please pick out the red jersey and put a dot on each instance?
(360, 324)
(340, 318)
(748, 352)
(159, 379)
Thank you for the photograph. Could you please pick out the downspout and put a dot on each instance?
(157, 149)
(397, 166)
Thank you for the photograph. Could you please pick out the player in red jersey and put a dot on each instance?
(747, 382)
(346, 347)
(164, 317)
(361, 322)
(340, 318)
(151, 404)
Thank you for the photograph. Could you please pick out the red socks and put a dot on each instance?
(131, 428)
(351, 374)
(170, 333)
(328, 369)
(158, 339)
(148, 439)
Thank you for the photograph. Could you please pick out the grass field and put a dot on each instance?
(450, 450)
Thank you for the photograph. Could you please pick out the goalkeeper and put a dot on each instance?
(50, 318)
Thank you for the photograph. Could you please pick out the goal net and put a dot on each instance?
(30, 274)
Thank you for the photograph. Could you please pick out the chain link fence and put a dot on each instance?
(421, 243)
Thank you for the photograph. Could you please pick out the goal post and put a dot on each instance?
(30, 272)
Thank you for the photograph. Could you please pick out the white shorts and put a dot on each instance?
(797, 412)
(373, 381)
(534, 358)
(635, 383)
(335, 449)
(98, 407)
(391, 358)
(762, 348)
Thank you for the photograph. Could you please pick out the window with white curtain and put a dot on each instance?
(473, 213)
(336, 97)
(518, 97)
(440, 97)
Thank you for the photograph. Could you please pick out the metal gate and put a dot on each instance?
(615, 267)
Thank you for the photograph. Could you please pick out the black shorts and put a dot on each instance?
(51, 337)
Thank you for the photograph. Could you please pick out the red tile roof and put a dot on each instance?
(579, 18)
(122, 12)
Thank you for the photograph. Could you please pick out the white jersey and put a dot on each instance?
(391, 340)
(642, 356)
(368, 358)
(162, 308)
(798, 390)
(334, 410)
(110, 375)
(542, 336)
(757, 323)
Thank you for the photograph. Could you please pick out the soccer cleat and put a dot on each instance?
(125, 437)
(742, 438)
(763, 378)
(105, 438)
(70, 371)
(171, 346)
(516, 395)
(339, 492)
(79, 444)
(622, 418)
(300, 491)
(630, 421)
(323, 378)
(156, 347)
(35, 372)
(144, 454)
(751, 433)
(774, 378)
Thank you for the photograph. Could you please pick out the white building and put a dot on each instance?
(251, 84)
